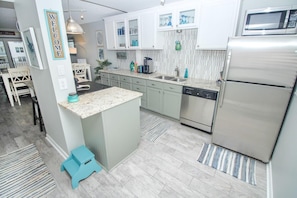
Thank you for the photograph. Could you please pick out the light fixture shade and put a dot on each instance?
(72, 27)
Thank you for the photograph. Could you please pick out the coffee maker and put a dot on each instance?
(148, 65)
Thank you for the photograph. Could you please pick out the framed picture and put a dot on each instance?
(31, 48)
(101, 54)
(99, 38)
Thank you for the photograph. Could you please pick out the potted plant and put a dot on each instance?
(102, 65)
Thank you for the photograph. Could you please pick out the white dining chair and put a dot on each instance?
(80, 71)
(19, 77)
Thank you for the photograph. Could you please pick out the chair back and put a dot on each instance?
(19, 75)
(80, 70)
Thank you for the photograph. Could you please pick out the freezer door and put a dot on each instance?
(268, 60)
(249, 118)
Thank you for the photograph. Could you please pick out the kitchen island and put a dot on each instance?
(107, 122)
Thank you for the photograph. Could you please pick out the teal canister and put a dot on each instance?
(72, 97)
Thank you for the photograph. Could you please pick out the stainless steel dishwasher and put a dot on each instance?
(197, 108)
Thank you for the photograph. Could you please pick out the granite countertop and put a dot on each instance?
(191, 82)
(98, 101)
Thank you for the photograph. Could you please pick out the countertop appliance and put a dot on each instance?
(268, 21)
(197, 108)
(148, 65)
(257, 82)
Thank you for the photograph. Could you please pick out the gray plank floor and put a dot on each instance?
(167, 167)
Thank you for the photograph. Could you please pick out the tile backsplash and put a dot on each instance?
(201, 64)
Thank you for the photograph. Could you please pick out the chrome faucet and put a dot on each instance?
(177, 71)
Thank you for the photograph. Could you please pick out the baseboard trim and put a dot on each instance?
(57, 147)
(269, 180)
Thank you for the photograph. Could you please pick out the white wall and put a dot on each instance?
(284, 159)
(30, 13)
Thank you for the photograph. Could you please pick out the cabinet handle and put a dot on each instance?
(137, 88)
(170, 87)
(153, 84)
(137, 82)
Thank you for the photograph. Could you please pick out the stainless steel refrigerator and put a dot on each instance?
(257, 82)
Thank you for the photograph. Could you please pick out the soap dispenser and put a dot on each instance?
(186, 73)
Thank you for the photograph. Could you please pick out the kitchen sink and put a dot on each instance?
(171, 78)
(163, 77)
(179, 79)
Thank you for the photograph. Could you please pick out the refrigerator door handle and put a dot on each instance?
(223, 85)
(228, 59)
(222, 93)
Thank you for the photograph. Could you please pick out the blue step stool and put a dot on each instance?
(80, 165)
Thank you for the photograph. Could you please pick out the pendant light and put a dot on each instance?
(73, 27)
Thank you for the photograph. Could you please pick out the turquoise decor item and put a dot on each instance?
(72, 97)
(132, 66)
(177, 46)
(186, 73)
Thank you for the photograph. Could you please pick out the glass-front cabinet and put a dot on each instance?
(178, 18)
(186, 18)
(121, 34)
(133, 39)
(127, 34)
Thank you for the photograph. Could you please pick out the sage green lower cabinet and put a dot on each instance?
(172, 95)
(125, 82)
(114, 83)
(154, 93)
(140, 86)
(114, 80)
(105, 79)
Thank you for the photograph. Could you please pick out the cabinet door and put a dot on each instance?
(171, 104)
(120, 30)
(154, 99)
(114, 83)
(150, 38)
(109, 34)
(105, 81)
(133, 36)
(187, 18)
(166, 20)
(217, 22)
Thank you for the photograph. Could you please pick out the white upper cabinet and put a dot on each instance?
(122, 32)
(217, 22)
(109, 34)
(178, 17)
(150, 38)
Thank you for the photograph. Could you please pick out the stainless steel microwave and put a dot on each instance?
(268, 21)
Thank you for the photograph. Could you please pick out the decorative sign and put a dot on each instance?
(54, 32)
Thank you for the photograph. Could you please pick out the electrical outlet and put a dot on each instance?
(63, 83)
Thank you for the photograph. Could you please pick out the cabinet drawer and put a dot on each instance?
(104, 75)
(139, 88)
(155, 84)
(172, 87)
(113, 77)
(138, 81)
(125, 79)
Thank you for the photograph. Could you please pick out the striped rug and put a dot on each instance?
(232, 163)
(152, 126)
(24, 174)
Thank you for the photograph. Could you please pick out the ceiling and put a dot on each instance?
(89, 8)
